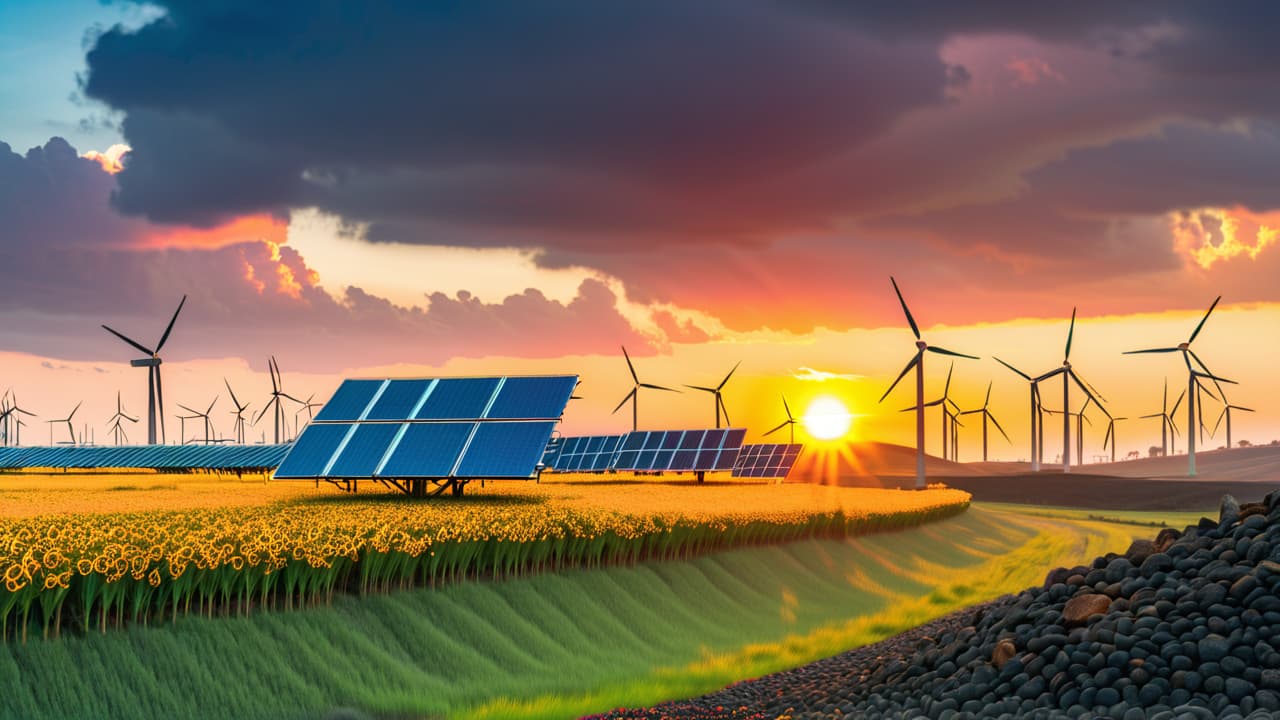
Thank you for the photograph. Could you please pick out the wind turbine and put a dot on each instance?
(917, 361)
(71, 429)
(1037, 430)
(1226, 413)
(719, 399)
(152, 361)
(238, 429)
(790, 421)
(1111, 436)
(949, 420)
(308, 405)
(986, 415)
(1193, 379)
(1080, 419)
(275, 402)
(208, 424)
(116, 428)
(1166, 417)
(634, 395)
(1068, 374)
(9, 415)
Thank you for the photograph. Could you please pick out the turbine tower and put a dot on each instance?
(719, 399)
(1068, 374)
(208, 424)
(634, 395)
(238, 429)
(71, 429)
(949, 420)
(1037, 431)
(917, 361)
(152, 361)
(10, 422)
(276, 403)
(116, 428)
(986, 415)
(1193, 379)
(789, 422)
(1226, 413)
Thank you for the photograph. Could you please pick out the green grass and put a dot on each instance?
(557, 645)
(1148, 518)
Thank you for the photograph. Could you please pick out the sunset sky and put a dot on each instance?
(506, 187)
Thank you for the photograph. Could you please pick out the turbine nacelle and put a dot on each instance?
(152, 361)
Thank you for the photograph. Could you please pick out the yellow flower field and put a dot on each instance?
(112, 556)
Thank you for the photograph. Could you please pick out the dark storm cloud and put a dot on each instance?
(229, 104)
(68, 263)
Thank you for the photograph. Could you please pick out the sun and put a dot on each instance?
(827, 418)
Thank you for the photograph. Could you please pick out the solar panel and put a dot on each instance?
(427, 450)
(313, 450)
(505, 449)
(349, 401)
(532, 397)
(399, 399)
(364, 450)
(680, 450)
(772, 460)
(153, 457)
(460, 399)
(584, 453)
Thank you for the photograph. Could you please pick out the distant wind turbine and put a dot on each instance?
(917, 362)
(208, 423)
(1111, 436)
(152, 361)
(715, 392)
(987, 415)
(238, 428)
(276, 403)
(634, 395)
(1037, 431)
(1068, 374)
(1193, 379)
(789, 422)
(115, 426)
(71, 429)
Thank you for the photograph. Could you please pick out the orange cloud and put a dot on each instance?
(1207, 235)
(1031, 71)
(109, 160)
(247, 228)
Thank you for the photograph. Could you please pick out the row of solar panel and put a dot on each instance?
(155, 457)
(445, 399)
(436, 450)
(650, 451)
(766, 460)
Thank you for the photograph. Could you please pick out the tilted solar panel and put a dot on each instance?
(460, 399)
(399, 399)
(771, 460)
(313, 450)
(364, 450)
(680, 450)
(427, 450)
(531, 398)
(349, 401)
(505, 449)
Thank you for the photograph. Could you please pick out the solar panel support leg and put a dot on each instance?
(702, 476)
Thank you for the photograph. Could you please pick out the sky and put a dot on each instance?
(505, 187)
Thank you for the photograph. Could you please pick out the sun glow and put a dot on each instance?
(827, 418)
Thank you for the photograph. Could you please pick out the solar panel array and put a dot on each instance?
(154, 457)
(647, 451)
(431, 428)
(591, 453)
(771, 460)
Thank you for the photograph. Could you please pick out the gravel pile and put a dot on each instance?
(1185, 626)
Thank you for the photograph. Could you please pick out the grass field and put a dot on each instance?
(554, 645)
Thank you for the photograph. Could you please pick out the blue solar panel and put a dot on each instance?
(459, 399)
(428, 450)
(154, 457)
(349, 402)
(505, 450)
(671, 440)
(766, 460)
(398, 400)
(363, 452)
(627, 460)
(532, 397)
(634, 441)
(684, 459)
(312, 450)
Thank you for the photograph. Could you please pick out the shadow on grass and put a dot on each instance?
(384, 497)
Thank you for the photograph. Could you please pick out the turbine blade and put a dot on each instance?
(997, 424)
(1107, 440)
(1196, 332)
(699, 387)
(970, 412)
(987, 402)
(1024, 376)
(265, 408)
(946, 388)
(657, 387)
(1177, 403)
(137, 345)
(1050, 374)
(172, 320)
(726, 377)
(787, 407)
(630, 367)
(1070, 333)
(915, 359)
(1234, 407)
(777, 428)
(1152, 350)
(723, 409)
(910, 320)
(952, 353)
(624, 401)
(184, 407)
(231, 392)
(1084, 388)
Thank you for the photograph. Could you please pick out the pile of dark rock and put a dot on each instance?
(1184, 626)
